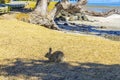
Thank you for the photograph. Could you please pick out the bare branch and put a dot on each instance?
(102, 14)
(67, 6)
(82, 2)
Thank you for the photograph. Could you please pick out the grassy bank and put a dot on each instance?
(24, 41)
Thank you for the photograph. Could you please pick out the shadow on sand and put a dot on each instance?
(87, 29)
(44, 70)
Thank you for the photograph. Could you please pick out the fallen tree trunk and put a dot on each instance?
(102, 14)
(41, 16)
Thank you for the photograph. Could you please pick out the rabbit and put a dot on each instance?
(56, 56)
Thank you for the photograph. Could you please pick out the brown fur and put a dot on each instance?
(56, 56)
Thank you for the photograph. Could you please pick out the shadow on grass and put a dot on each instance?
(44, 70)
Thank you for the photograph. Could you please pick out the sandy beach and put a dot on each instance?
(111, 22)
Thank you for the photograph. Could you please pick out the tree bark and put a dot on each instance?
(102, 14)
(41, 7)
(41, 16)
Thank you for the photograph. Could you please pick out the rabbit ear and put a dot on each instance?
(50, 50)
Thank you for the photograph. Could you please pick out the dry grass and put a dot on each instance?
(31, 5)
(51, 5)
(22, 16)
(20, 40)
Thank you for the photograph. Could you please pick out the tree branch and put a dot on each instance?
(102, 14)
(82, 2)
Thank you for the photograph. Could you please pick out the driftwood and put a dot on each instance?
(41, 16)
(102, 14)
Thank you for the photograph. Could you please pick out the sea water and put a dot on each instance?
(103, 7)
(92, 29)
(104, 4)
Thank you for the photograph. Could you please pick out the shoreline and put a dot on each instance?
(108, 23)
